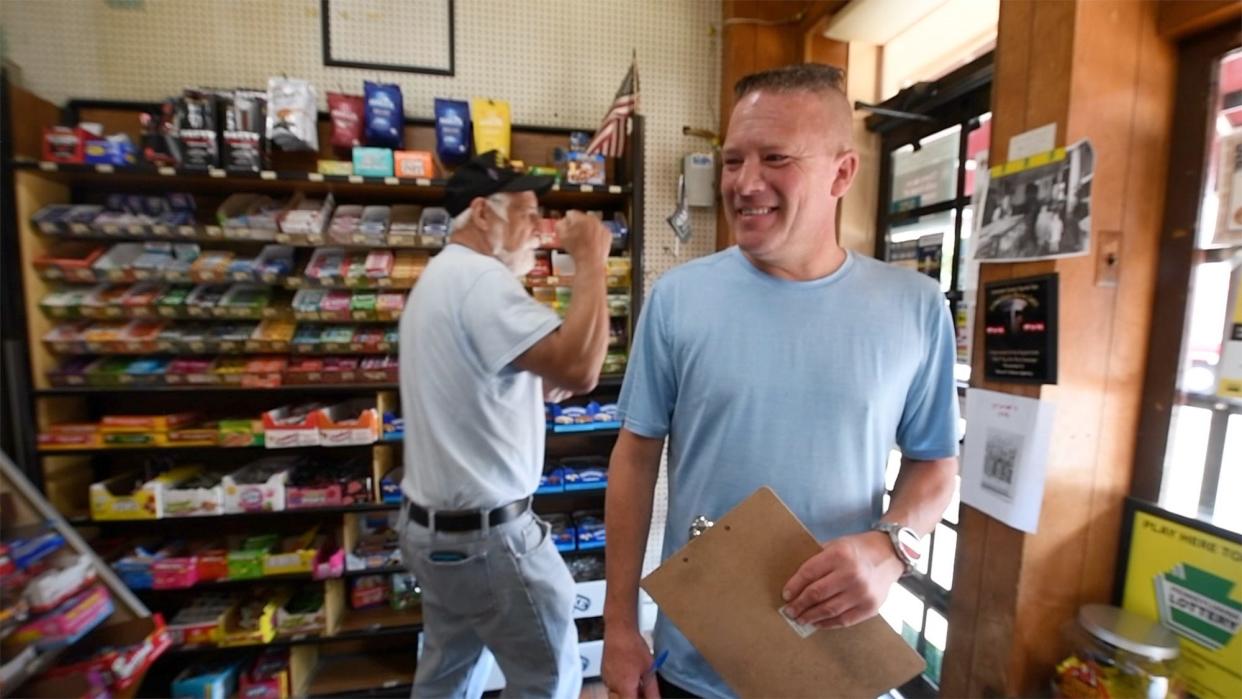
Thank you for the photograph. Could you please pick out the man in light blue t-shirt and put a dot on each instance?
(478, 357)
(785, 361)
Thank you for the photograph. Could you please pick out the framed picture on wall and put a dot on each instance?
(410, 36)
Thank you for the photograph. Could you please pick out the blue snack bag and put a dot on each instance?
(385, 115)
(452, 131)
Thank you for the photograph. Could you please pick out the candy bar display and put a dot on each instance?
(240, 255)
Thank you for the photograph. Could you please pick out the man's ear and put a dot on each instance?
(480, 213)
(843, 178)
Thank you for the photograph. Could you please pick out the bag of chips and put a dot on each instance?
(291, 115)
(491, 125)
(385, 115)
(452, 131)
(347, 113)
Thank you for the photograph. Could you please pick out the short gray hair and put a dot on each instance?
(500, 199)
(798, 77)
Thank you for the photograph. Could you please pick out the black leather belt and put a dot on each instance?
(467, 520)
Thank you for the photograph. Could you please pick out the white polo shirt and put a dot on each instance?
(474, 424)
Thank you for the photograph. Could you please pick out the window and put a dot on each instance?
(933, 140)
(1190, 454)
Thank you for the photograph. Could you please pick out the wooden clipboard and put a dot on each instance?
(723, 591)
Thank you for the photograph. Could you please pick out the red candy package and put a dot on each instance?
(346, 112)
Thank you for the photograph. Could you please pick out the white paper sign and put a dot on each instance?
(1005, 457)
(1029, 143)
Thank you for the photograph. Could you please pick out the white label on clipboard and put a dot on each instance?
(803, 630)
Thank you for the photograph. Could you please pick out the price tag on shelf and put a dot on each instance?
(388, 684)
(422, 182)
(314, 176)
(104, 169)
(587, 188)
(267, 175)
(556, 187)
(355, 179)
(391, 180)
(167, 171)
(614, 189)
(48, 166)
(216, 172)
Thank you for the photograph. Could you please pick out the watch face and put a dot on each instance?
(910, 543)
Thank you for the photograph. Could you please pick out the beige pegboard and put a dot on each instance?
(558, 62)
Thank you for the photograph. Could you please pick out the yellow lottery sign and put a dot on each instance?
(1189, 576)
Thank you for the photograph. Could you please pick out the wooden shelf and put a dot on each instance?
(379, 618)
(421, 190)
(361, 675)
(220, 388)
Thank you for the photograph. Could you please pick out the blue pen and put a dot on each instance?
(659, 663)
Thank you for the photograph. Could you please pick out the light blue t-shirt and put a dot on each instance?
(801, 386)
(474, 423)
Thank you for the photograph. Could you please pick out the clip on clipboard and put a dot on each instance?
(723, 591)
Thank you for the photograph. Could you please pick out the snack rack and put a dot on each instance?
(322, 661)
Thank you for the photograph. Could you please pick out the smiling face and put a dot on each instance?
(787, 161)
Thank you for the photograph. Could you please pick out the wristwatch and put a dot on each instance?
(906, 543)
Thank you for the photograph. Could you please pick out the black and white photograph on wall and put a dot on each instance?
(1038, 207)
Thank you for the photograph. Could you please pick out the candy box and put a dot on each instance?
(253, 621)
(65, 578)
(245, 557)
(120, 651)
(201, 621)
(267, 677)
(292, 426)
(201, 494)
(295, 554)
(372, 162)
(552, 481)
(590, 530)
(258, 486)
(414, 163)
(304, 613)
(214, 679)
(65, 144)
(564, 534)
(69, 622)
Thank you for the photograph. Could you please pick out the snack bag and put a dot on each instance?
(196, 128)
(291, 115)
(347, 113)
(491, 125)
(385, 115)
(242, 112)
(452, 131)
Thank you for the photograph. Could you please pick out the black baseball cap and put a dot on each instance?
(485, 175)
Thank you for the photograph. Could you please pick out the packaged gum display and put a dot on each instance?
(245, 117)
(491, 125)
(452, 131)
(372, 162)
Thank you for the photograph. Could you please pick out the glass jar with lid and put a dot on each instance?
(1118, 654)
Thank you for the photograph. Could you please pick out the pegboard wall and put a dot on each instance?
(557, 62)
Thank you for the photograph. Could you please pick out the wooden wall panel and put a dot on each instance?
(1181, 18)
(1098, 69)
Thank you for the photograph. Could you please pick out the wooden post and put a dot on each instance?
(1099, 70)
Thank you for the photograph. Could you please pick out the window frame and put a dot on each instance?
(959, 98)
(1178, 256)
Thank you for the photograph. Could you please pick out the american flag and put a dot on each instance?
(610, 138)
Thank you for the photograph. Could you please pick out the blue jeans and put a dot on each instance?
(509, 591)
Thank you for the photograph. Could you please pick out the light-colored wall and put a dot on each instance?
(557, 62)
